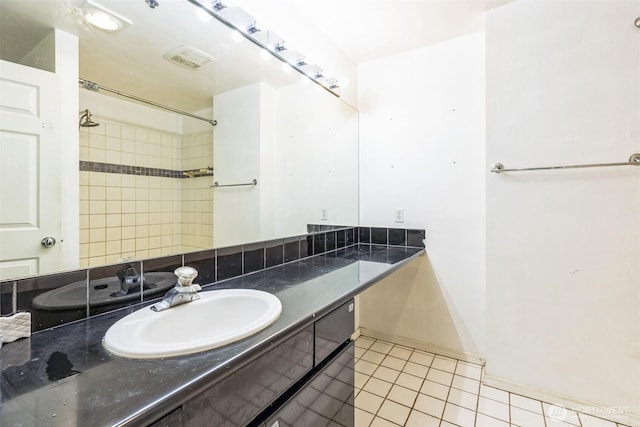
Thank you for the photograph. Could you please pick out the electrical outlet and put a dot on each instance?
(324, 214)
(399, 215)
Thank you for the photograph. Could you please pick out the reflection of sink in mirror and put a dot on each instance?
(101, 292)
(216, 319)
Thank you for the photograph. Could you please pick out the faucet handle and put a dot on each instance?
(185, 275)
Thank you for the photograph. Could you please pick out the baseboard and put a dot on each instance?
(618, 415)
(409, 342)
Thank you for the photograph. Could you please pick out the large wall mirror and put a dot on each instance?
(111, 178)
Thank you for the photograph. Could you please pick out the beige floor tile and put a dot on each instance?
(394, 363)
(429, 405)
(377, 386)
(363, 418)
(444, 364)
(402, 395)
(466, 384)
(373, 357)
(462, 398)
(365, 367)
(448, 397)
(364, 342)
(401, 352)
(381, 346)
(419, 419)
(469, 370)
(530, 405)
(560, 413)
(386, 374)
(486, 421)
(439, 376)
(589, 421)
(523, 418)
(415, 369)
(552, 422)
(394, 412)
(494, 394)
(409, 381)
(458, 415)
(368, 402)
(381, 422)
(360, 379)
(493, 408)
(421, 358)
(434, 389)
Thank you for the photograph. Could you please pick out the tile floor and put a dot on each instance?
(401, 386)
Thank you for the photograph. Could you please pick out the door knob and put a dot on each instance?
(48, 242)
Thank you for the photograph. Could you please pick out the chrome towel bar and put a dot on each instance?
(252, 183)
(634, 160)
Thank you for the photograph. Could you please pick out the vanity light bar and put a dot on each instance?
(238, 19)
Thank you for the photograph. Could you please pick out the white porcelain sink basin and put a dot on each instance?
(216, 319)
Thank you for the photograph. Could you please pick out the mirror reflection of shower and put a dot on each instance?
(85, 120)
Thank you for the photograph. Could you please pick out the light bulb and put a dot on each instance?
(102, 20)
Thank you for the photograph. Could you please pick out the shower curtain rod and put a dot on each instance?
(89, 85)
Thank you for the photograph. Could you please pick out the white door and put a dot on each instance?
(29, 171)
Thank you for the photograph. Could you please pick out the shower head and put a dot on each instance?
(85, 120)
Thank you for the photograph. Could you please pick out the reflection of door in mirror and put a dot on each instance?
(33, 140)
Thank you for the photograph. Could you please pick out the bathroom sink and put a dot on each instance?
(216, 319)
(101, 292)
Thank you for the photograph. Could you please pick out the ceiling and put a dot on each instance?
(132, 60)
(366, 30)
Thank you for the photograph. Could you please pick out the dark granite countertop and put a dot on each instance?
(64, 377)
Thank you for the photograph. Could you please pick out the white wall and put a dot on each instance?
(563, 252)
(422, 149)
(301, 144)
(112, 108)
(236, 159)
(66, 67)
(316, 160)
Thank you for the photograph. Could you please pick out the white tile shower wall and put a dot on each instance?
(422, 150)
(128, 215)
(563, 259)
(197, 194)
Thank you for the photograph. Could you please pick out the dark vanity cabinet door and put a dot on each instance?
(326, 400)
(173, 419)
(333, 330)
(237, 399)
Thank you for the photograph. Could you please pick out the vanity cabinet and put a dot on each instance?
(172, 419)
(304, 381)
(327, 399)
(333, 330)
(240, 397)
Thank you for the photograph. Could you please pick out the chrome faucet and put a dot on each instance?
(183, 292)
(130, 281)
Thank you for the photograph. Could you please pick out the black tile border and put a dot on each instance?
(214, 265)
(87, 166)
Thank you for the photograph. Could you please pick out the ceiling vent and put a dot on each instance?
(189, 57)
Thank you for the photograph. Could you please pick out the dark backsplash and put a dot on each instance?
(213, 265)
